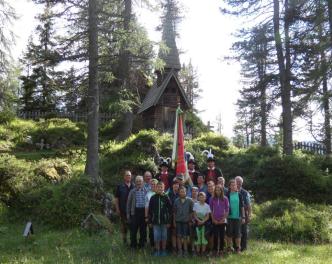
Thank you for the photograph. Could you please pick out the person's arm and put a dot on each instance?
(212, 216)
(207, 217)
(174, 214)
(129, 204)
(243, 220)
(196, 218)
(149, 211)
(117, 201)
(248, 208)
(226, 208)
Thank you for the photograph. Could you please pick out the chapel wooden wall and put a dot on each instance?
(162, 116)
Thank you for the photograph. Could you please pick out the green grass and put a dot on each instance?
(76, 246)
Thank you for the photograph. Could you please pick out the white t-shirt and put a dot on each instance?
(148, 197)
(201, 210)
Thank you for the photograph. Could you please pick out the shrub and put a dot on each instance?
(59, 206)
(292, 221)
(16, 177)
(59, 133)
(54, 170)
(109, 130)
(6, 117)
(290, 177)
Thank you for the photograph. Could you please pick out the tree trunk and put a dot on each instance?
(92, 160)
(124, 72)
(284, 75)
(329, 7)
(263, 116)
(326, 105)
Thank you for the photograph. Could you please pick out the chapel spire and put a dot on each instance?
(171, 57)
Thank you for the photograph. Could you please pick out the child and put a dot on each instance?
(201, 214)
(235, 216)
(160, 217)
(219, 212)
(183, 209)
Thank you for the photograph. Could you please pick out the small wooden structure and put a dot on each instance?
(159, 105)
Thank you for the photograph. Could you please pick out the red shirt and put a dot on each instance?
(164, 179)
(211, 175)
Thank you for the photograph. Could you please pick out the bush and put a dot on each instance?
(54, 170)
(16, 177)
(6, 117)
(292, 221)
(59, 133)
(136, 153)
(59, 206)
(109, 130)
(290, 177)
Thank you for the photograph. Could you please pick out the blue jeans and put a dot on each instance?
(159, 233)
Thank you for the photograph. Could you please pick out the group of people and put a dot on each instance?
(196, 214)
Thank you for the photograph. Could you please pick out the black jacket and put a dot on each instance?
(160, 210)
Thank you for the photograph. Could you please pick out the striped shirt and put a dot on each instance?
(140, 198)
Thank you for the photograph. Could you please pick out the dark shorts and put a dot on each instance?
(233, 228)
(160, 233)
(182, 229)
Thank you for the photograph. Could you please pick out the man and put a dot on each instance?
(149, 194)
(180, 179)
(247, 212)
(165, 175)
(121, 197)
(147, 179)
(173, 194)
(202, 187)
(212, 173)
(182, 216)
(235, 216)
(159, 212)
(136, 213)
(193, 173)
(221, 181)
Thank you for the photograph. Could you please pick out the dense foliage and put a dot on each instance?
(292, 221)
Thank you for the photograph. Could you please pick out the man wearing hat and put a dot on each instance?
(165, 175)
(193, 173)
(212, 173)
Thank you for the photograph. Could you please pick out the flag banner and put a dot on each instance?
(178, 154)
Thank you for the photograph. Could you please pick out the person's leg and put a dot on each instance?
(222, 237)
(163, 239)
(123, 224)
(229, 234)
(142, 226)
(185, 237)
(179, 236)
(237, 235)
(156, 234)
(173, 239)
(133, 232)
(244, 236)
(204, 242)
(215, 237)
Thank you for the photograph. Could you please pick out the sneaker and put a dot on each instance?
(163, 253)
(156, 254)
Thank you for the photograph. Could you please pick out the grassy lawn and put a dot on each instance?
(76, 246)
